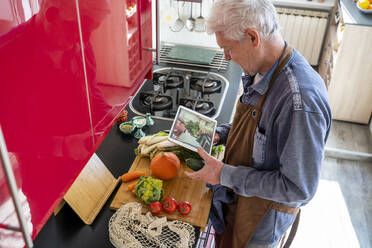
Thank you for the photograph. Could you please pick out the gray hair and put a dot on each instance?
(233, 17)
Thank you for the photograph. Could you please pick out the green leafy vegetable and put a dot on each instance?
(194, 164)
(183, 153)
(216, 150)
(161, 133)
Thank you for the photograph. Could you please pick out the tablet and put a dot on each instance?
(191, 129)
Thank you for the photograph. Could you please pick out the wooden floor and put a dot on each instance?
(350, 136)
(340, 215)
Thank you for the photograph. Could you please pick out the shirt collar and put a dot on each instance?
(262, 85)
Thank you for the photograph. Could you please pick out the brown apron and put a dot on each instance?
(244, 216)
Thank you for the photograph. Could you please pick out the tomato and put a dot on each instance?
(184, 208)
(155, 207)
(169, 205)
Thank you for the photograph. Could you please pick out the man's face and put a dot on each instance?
(241, 52)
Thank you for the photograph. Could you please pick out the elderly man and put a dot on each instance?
(274, 146)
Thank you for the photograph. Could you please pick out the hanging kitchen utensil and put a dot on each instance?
(190, 22)
(200, 21)
(169, 15)
(179, 23)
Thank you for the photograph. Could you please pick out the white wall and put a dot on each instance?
(170, 8)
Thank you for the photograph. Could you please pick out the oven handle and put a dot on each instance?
(139, 28)
(157, 41)
(150, 49)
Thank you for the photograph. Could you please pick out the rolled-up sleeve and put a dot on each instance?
(300, 139)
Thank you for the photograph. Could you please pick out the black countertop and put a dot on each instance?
(352, 15)
(117, 153)
(66, 229)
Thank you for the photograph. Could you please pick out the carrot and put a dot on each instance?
(132, 185)
(132, 175)
(134, 191)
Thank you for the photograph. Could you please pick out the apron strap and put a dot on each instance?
(293, 231)
(283, 208)
(282, 62)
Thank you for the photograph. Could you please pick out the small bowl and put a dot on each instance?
(365, 11)
(139, 121)
(127, 130)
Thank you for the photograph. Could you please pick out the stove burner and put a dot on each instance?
(155, 101)
(201, 106)
(162, 79)
(206, 86)
(169, 81)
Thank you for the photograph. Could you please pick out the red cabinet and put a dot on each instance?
(65, 76)
(117, 43)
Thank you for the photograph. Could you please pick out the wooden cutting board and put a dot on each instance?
(182, 188)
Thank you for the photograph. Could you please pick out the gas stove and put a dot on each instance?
(202, 91)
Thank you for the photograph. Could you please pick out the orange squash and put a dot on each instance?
(165, 165)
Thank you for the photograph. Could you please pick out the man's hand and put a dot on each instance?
(216, 138)
(211, 171)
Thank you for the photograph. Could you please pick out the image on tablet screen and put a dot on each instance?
(191, 129)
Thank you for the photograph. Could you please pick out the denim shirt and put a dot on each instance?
(288, 143)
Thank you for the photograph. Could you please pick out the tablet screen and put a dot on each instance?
(191, 129)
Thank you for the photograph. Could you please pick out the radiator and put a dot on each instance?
(304, 30)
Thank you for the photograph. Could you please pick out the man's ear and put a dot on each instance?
(253, 36)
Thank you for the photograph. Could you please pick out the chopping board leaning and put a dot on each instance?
(182, 188)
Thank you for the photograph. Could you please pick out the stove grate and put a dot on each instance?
(218, 63)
